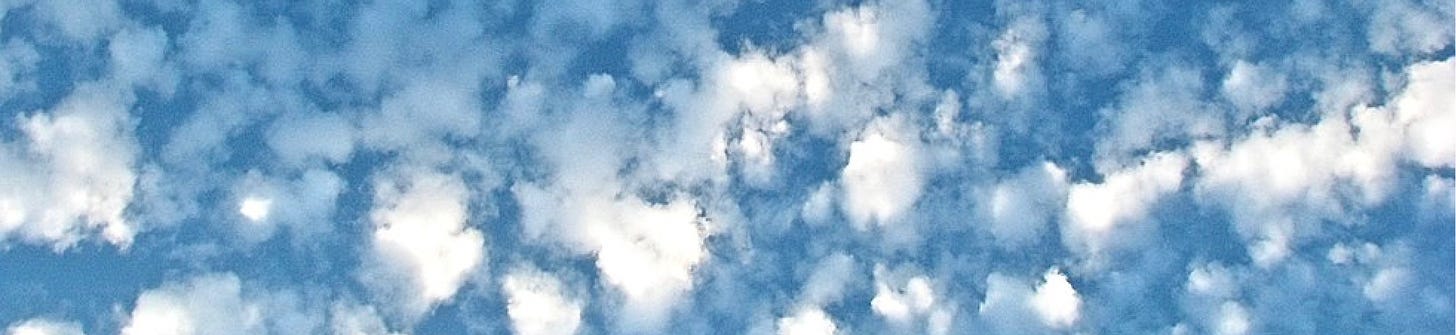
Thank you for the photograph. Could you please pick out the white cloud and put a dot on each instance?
(1056, 301)
(422, 242)
(909, 302)
(1278, 181)
(209, 304)
(1016, 56)
(537, 303)
(807, 321)
(300, 202)
(1424, 107)
(1398, 27)
(1022, 205)
(1233, 319)
(255, 208)
(649, 254)
(39, 326)
(882, 179)
(73, 174)
(1254, 87)
(1163, 104)
(1097, 212)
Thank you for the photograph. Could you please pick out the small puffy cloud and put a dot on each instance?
(1021, 206)
(1011, 302)
(1424, 107)
(909, 302)
(1056, 301)
(300, 203)
(649, 254)
(807, 321)
(883, 178)
(423, 247)
(1016, 56)
(1254, 87)
(255, 208)
(41, 326)
(73, 174)
(206, 304)
(1097, 212)
(537, 303)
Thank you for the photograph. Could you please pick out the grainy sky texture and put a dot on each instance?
(727, 167)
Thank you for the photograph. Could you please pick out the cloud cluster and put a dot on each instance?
(726, 166)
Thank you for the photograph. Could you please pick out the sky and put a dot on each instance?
(727, 167)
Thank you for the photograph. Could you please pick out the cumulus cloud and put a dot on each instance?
(423, 247)
(1021, 206)
(1300, 168)
(883, 178)
(40, 326)
(1009, 301)
(909, 302)
(73, 174)
(1016, 56)
(808, 321)
(537, 303)
(207, 304)
(1056, 302)
(1102, 215)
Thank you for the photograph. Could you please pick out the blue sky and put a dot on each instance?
(741, 167)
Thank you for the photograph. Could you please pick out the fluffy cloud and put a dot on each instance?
(537, 303)
(1021, 206)
(911, 305)
(73, 175)
(1300, 168)
(1009, 301)
(1016, 56)
(1097, 213)
(809, 321)
(300, 203)
(423, 245)
(207, 304)
(883, 178)
(1056, 302)
(44, 327)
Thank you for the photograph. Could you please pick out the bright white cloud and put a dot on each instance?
(39, 326)
(882, 179)
(73, 174)
(255, 208)
(537, 303)
(421, 237)
(1056, 302)
(207, 304)
(1097, 211)
(807, 321)
(1278, 180)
